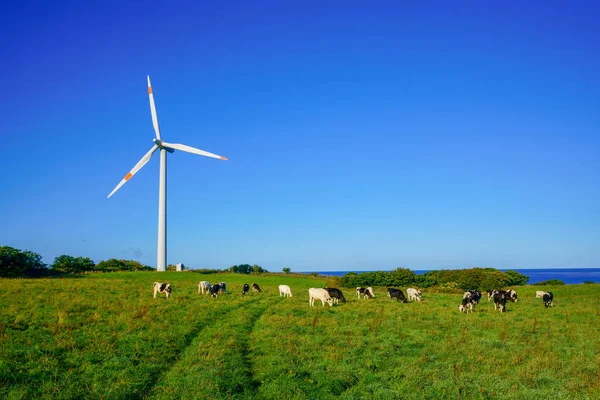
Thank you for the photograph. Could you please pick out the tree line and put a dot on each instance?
(247, 269)
(465, 279)
(15, 263)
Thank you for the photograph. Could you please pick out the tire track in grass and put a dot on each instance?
(217, 363)
(244, 343)
(295, 354)
(189, 339)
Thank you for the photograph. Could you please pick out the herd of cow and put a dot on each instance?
(500, 297)
(334, 295)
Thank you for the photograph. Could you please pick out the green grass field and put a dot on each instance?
(104, 336)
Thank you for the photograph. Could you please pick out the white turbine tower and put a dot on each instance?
(161, 256)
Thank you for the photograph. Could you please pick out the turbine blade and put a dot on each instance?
(153, 110)
(135, 169)
(192, 150)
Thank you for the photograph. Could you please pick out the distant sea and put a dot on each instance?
(567, 275)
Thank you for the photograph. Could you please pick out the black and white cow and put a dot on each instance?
(500, 298)
(215, 290)
(548, 299)
(336, 295)
(222, 287)
(165, 288)
(203, 286)
(366, 292)
(475, 295)
(468, 304)
(256, 288)
(246, 288)
(397, 294)
(510, 295)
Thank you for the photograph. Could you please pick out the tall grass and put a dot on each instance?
(104, 336)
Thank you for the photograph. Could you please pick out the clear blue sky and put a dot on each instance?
(435, 135)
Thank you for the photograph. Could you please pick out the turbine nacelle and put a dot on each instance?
(160, 145)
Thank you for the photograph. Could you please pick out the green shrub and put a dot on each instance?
(475, 278)
(247, 269)
(114, 265)
(549, 282)
(72, 265)
(427, 279)
(517, 279)
(465, 279)
(333, 281)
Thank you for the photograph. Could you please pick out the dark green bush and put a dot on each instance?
(464, 279)
(15, 263)
(247, 269)
(114, 265)
(549, 282)
(517, 279)
(72, 265)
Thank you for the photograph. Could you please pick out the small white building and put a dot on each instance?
(179, 267)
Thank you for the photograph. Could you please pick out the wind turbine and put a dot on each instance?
(161, 256)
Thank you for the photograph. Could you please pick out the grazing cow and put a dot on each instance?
(215, 290)
(245, 289)
(366, 292)
(512, 296)
(165, 288)
(202, 286)
(223, 287)
(255, 287)
(500, 298)
(336, 295)
(285, 291)
(505, 293)
(475, 295)
(539, 294)
(397, 294)
(548, 299)
(414, 294)
(468, 304)
(319, 294)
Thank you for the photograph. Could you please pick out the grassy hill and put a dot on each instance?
(104, 336)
